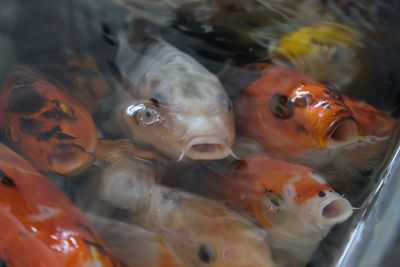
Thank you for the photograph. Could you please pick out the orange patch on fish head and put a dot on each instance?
(48, 128)
(288, 112)
(320, 111)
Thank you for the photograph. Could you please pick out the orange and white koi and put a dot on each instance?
(39, 225)
(292, 202)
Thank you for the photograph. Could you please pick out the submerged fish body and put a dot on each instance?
(39, 225)
(298, 119)
(325, 51)
(292, 202)
(133, 245)
(178, 106)
(201, 231)
(44, 124)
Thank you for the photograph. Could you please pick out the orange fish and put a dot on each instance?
(292, 202)
(296, 118)
(44, 124)
(39, 225)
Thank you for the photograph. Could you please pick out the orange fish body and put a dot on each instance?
(296, 118)
(39, 225)
(45, 125)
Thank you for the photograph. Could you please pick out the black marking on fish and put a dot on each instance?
(326, 105)
(25, 100)
(334, 92)
(5, 180)
(3, 263)
(85, 228)
(55, 114)
(321, 194)
(300, 127)
(28, 126)
(48, 134)
(205, 254)
(281, 107)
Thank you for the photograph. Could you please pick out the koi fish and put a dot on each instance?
(201, 231)
(178, 106)
(45, 125)
(300, 120)
(39, 225)
(325, 51)
(133, 245)
(292, 202)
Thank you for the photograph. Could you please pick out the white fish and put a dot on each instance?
(177, 106)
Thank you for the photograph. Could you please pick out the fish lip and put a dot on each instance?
(350, 133)
(222, 150)
(343, 206)
(77, 159)
(336, 123)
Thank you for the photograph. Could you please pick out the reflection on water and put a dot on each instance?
(296, 76)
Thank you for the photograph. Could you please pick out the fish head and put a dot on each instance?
(205, 233)
(293, 202)
(188, 116)
(288, 113)
(45, 125)
(322, 112)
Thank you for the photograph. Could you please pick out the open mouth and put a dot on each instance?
(342, 132)
(68, 159)
(206, 148)
(335, 210)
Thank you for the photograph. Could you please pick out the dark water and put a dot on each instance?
(47, 33)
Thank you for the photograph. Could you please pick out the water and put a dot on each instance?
(223, 36)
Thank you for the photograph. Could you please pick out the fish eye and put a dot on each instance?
(5, 180)
(225, 102)
(158, 99)
(334, 92)
(205, 254)
(143, 115)
(281, 107)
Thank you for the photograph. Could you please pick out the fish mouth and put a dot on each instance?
(206, 148)
(334, 210)
(342, 132)
(68, 159)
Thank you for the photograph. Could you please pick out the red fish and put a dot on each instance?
(39, 225)
(45, 125)
(296, 118)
